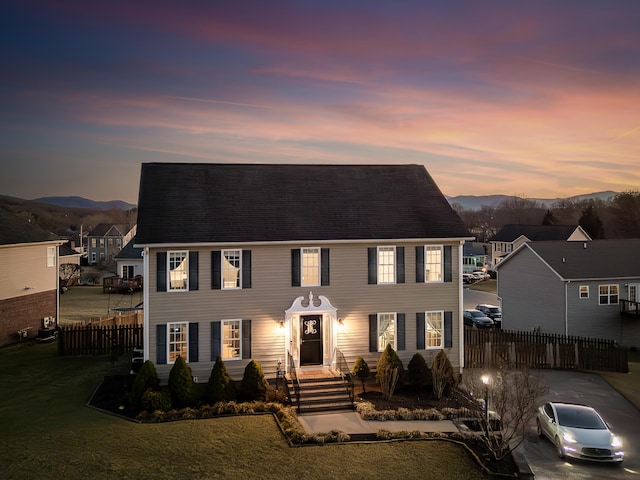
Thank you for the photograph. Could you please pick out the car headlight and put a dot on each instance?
(616, 442)
(568, 437)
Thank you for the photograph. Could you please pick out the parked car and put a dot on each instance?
(475, 318)
(480, 275)
(578, 431)
(493, 312)
(468, 278)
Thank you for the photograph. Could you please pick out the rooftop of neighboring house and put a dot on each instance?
(470, 249)
(109, 230)
(511, 232)
(615, 258)
(189, 203)
(65, 250)
(130, 251)
(15, 230)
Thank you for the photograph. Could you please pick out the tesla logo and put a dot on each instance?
(309, 327)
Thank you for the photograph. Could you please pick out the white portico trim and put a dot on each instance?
(300, 318)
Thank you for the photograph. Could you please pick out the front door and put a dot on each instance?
(311, 340)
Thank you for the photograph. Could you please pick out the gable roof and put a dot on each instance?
(471, 250)
(595, 259)
(130, 251)
(109, 230)
(15, 230)
(190, 203)
(535, 233)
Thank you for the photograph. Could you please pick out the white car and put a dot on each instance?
(579, 431)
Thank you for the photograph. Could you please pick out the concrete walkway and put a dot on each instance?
(352, 423)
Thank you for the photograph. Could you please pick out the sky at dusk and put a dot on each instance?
(533, 98)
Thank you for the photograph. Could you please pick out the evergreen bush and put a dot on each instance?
(220, 387)
(254, 385)
(444, 378)
(181, 384)
(147, 378)
(418, 373)
(389, 358)
(361, 371)
(154, 400)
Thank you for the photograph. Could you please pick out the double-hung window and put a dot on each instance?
(386, 264)
(433, 263)
(231, 269)
(434, 329)
(231, 336)
(310, 267)
(178, 271)
(584, 291)
(608, 294)
(386, 330)
(51, 256)
(177, 341)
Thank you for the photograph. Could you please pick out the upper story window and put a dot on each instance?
(178, 341)
(434, 329)
(102, 243)
(608, 294)
(433, 263)
(94, 242)
(231, 336)
(386, 264)
(310, 265)
(386, 330)
(51, 256)
(584, 291)
(177, 271)
(231, 269)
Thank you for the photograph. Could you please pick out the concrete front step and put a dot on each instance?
(323, 394)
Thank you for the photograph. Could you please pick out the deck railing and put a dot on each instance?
(345, 372)
(628, 307)
(294, 379)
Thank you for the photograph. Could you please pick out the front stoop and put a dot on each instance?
(322, 394)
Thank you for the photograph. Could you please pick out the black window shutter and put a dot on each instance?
(193, 270)
(373, 332)
(246, 268)
(246, 339)
(400, 333)
(448, 330)
(420, 330)
(295, 267)
(161, 344)
(161, 271)
(324, 266)
(420, 264)
(216, 270)
(447, 264)
(193, 342)
(373, 268)
(399, 264)
(215, 340)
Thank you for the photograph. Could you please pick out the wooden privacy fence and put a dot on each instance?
(99, 340)
(484, 348)
(116, 318)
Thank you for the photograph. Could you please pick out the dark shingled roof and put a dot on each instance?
(109, 229)
(130, 252)
(615, 258)
(190, 203)
(15, 230)
(510, 232)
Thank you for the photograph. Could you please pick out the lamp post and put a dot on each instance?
(485, 380)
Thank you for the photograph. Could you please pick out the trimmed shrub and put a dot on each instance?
(361, 371)
(147, 378)
(181, 384)
(389, 358)
(154, 400)
(220, 387)
(444, 378)
(418, 373)
(254, 385)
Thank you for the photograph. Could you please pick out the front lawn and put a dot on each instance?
(49, 432)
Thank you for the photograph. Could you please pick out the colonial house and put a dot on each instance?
(297, 266)
(511, 236)
(129, 261)
(105, 241)
(587, 289)
(29, 280)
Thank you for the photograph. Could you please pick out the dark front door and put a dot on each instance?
(311, 340)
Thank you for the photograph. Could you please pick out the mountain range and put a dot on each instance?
(79, 202)
(472, 202)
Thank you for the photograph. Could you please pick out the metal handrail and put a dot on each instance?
(345, 372)
(294, 379)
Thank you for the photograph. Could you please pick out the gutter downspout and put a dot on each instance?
(566, 307)
(460, 310)
(145, 304)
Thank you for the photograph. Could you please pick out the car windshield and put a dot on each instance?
(579, 418)
(494, 310)
(477, 314)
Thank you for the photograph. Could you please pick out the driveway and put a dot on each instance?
(622, 416)
(471, 298)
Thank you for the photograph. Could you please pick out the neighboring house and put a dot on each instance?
(474, 257)
(105, 241)
(573, 288)
(69, 260)
(294, 264)
(129, 261)
(29, 280)
(511, 236)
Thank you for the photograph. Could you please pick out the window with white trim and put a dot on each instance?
(434, 329)
(433, 263)
(231, 336)
(231, 269)
(386, 330)
(584, 291)
(177, 341)
(178, 271)
(310, 267)
(386, 264)
(608, 294)
(51, 256)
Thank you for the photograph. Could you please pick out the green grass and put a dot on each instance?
(49, 432)
(489, 286)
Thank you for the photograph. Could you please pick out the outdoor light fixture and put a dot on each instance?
(281, 323)
(485, 380)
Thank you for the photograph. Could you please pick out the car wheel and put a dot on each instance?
(539, 428)
(559, 448)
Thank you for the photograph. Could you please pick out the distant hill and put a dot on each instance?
(472, 202)
(79, 202)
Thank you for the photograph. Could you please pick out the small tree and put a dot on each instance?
(389, 371)
(361, 371)
(181, 384)
(444, 378)
(254, 385)
(147, 378)
(418, 373)
(220, 387)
